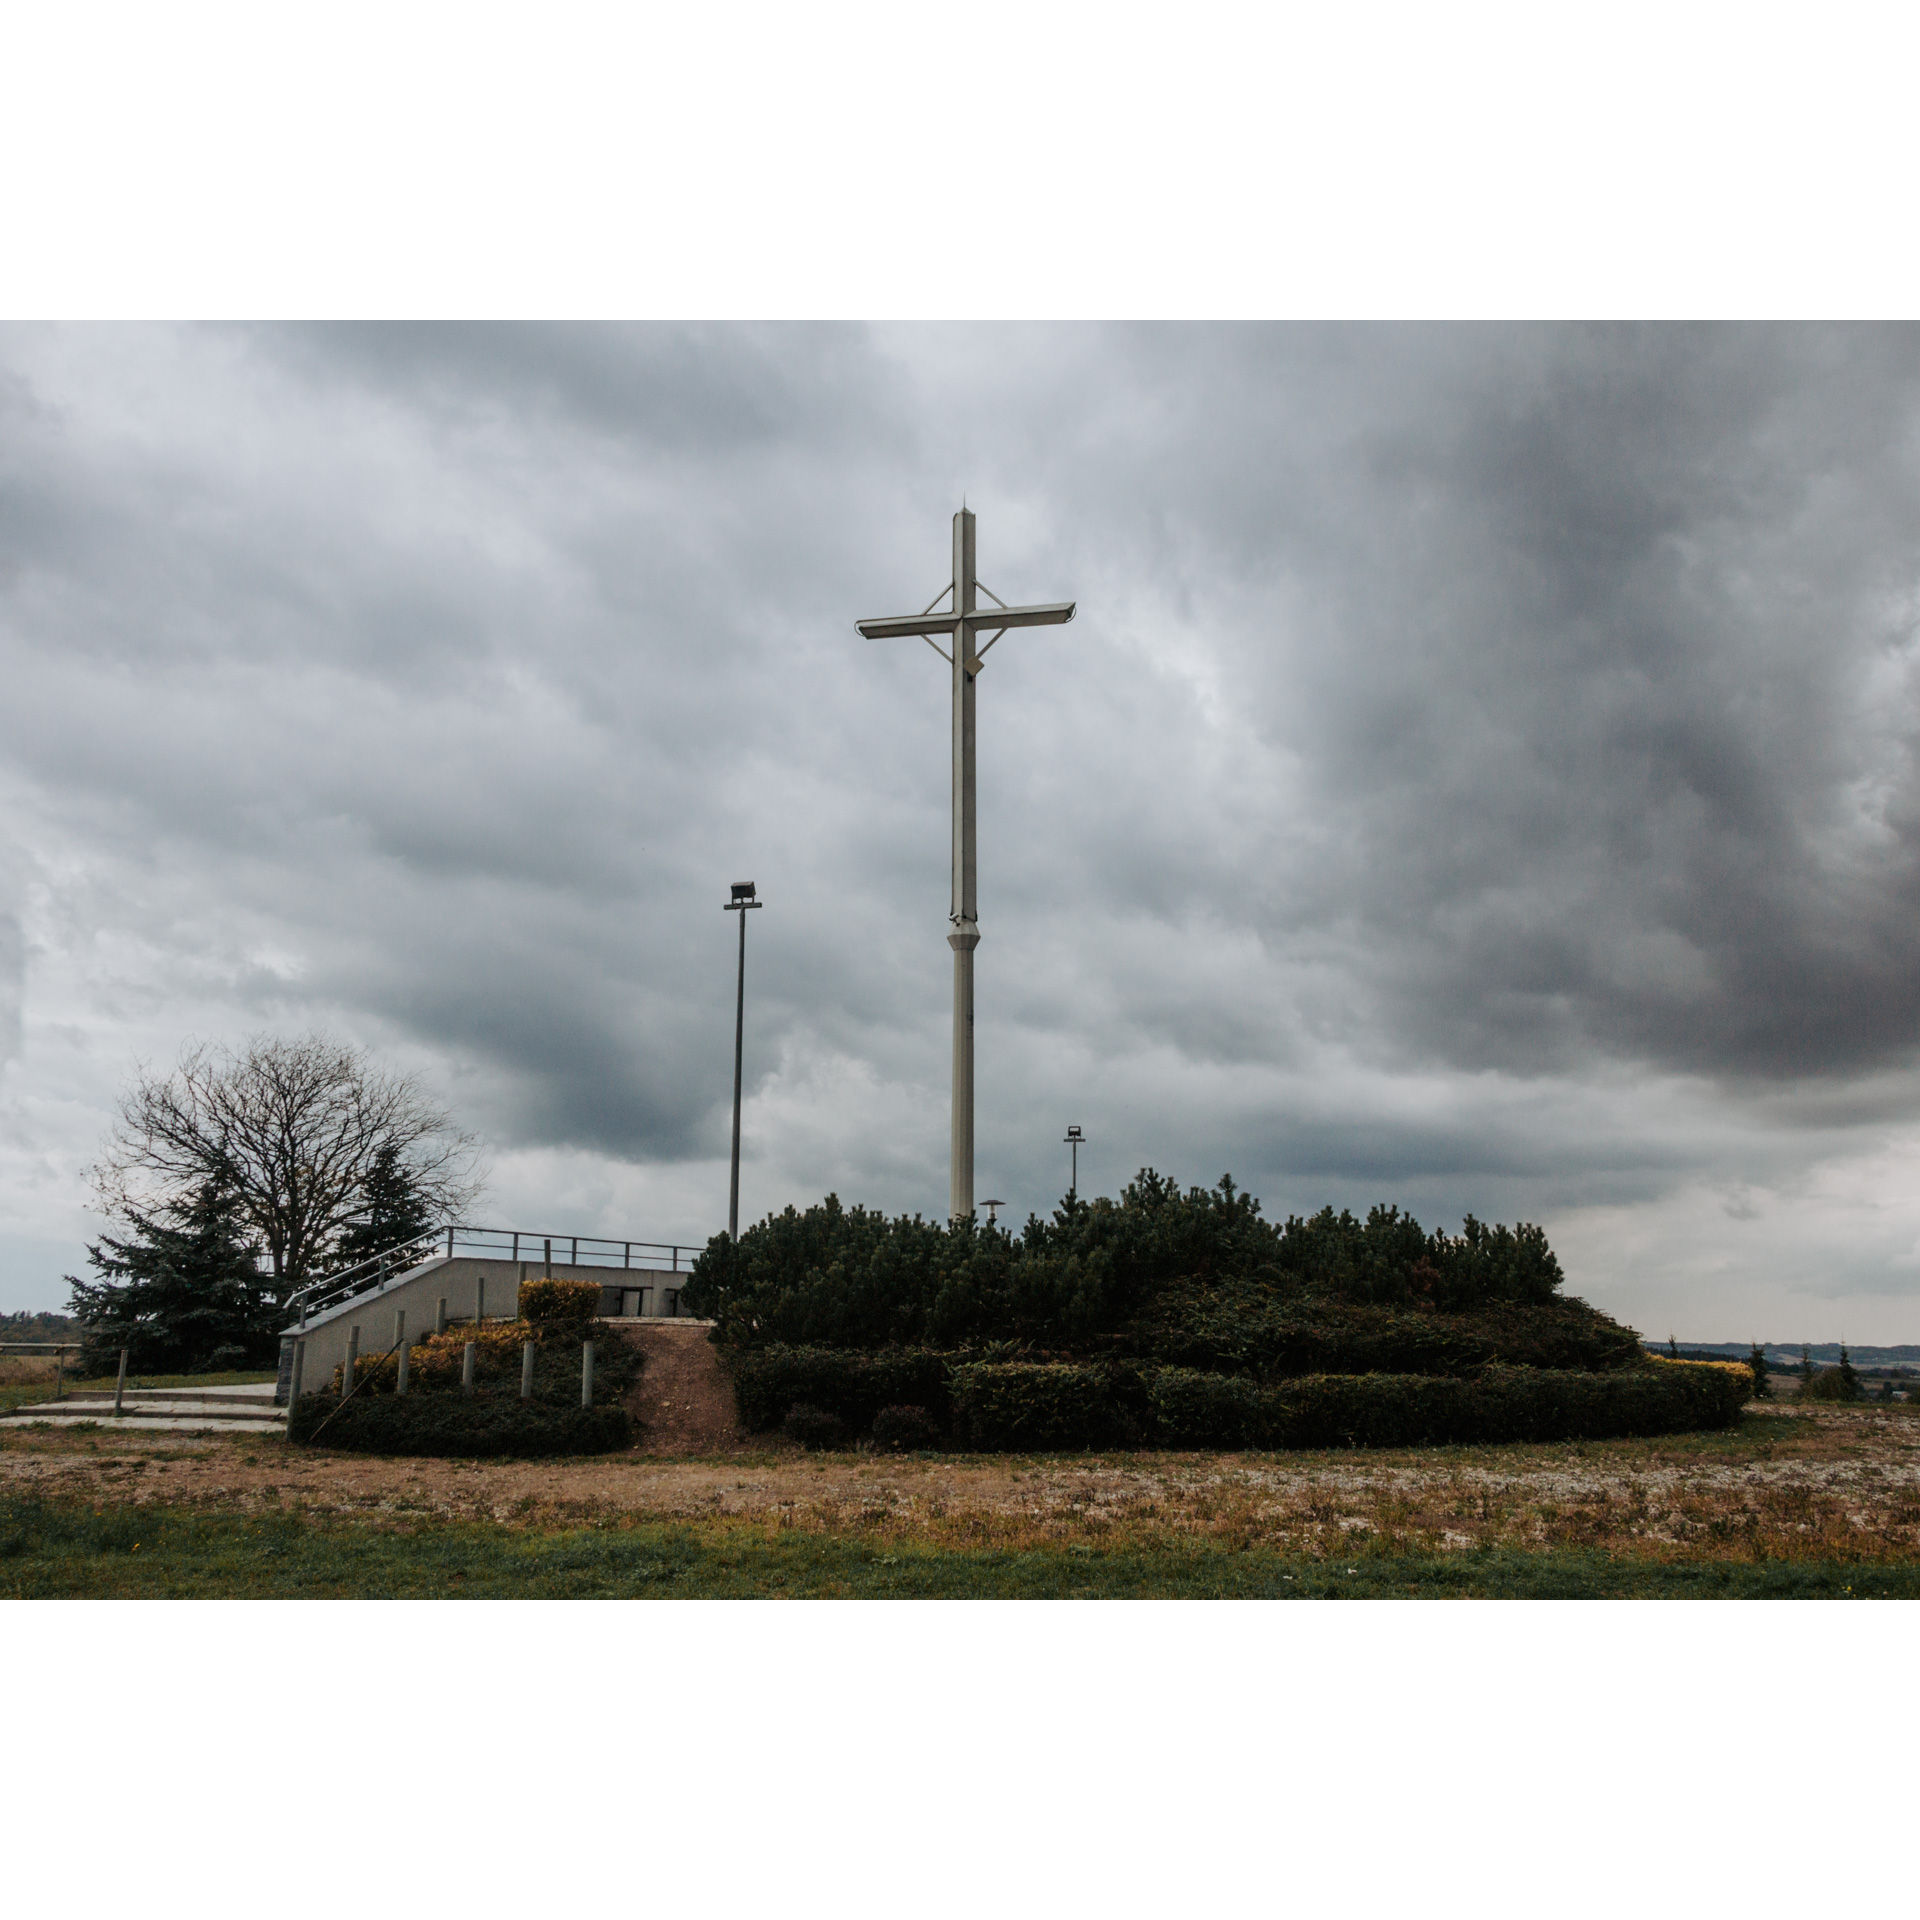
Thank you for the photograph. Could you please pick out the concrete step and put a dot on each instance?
(175, 1398)
(139, 1423)
(154, 1406)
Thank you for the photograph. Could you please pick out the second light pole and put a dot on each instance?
(740, 903)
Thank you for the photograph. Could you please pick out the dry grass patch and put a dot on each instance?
(1827, 1484)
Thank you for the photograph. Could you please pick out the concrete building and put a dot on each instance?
(461, 1288)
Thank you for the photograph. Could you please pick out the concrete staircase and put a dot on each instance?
(163, 1410)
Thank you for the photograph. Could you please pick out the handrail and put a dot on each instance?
(372, 1271)
(508, 1243)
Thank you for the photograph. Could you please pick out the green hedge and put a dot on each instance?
(454, 1424)
(1241, 1329)
(1039, 1408)
(1022, 1407)
(769, 1380)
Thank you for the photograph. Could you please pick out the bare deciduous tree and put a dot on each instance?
(297, 1126)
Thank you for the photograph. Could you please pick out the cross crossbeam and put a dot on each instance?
(963, 624)
(1052, 613)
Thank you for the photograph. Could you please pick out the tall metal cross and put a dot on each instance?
(962, 624)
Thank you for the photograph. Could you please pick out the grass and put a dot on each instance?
(58, 1549)
(1814, 1503)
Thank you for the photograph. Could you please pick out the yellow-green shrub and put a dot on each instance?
(437, 1360)
(1726, 1366)
(435, 1369)
(561, 1303)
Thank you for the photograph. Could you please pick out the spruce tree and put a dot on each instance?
(394, 1210)
(1849, 1380)
(183, 1289)
(1806, 1365)
(1761, 1390)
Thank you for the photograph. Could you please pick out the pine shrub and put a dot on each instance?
(907, 1430)
(848, 1278)
(1021, 1407)
(1034, 1409)
(814, 1427)
(854, 1386)
(1830, 1386)
(1248, 1329)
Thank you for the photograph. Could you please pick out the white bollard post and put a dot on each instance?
(480, 1301)
(526, 1371)
(440, 1318)
(466, 1368)
(353, 1355)
(399, 1325)
(586, 1373)
(120, 1385)
(406, 1358)
(293, 1386)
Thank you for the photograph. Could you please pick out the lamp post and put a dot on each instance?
(741, 903)
(1076, 1140)
(993, 1210)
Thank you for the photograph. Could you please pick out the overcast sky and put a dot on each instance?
(1480, 777)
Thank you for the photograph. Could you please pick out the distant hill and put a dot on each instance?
(37, 1326)
(1826, 1352)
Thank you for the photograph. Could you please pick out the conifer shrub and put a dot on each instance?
(1830, 1386)
(814, 1427)
(1181, 1318)
(494, 1423)
(907, 1430)
(1249, 1329)
(835, 1276)
(1023, 1407)
(1037, 1409)
(854, 1386)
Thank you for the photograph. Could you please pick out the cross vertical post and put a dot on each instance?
(961, 623)
(964, 912)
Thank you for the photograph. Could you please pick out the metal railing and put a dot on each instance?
(486, 1243)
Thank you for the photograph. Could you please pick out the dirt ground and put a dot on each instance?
(1825, 1483)
(684, 1402)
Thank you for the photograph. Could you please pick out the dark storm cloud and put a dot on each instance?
(1596, 646)
(1451, 710)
